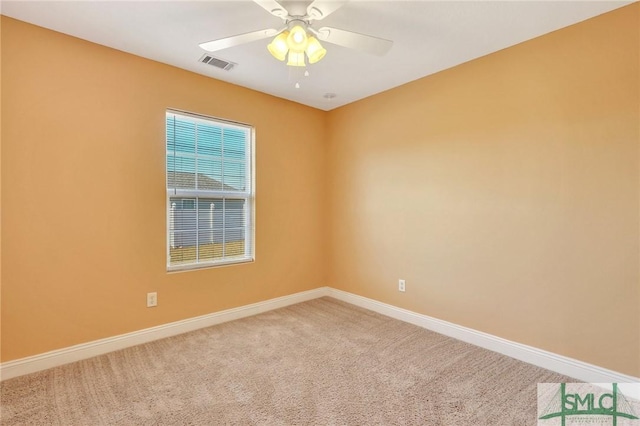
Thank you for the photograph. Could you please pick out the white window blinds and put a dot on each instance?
(209, 191)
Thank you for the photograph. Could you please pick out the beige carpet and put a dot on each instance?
(322, 362)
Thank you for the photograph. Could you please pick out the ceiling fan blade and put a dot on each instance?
(320, 9)
(366, 43)
(223, 43)
(273, 7)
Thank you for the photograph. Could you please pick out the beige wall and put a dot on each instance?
(84, 193)
(505, 191)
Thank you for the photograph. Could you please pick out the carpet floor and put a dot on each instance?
(322, 362)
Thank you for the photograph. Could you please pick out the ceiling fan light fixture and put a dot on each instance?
(296, 59)
(297, 42)
(297, 39)
(314, 50)
(278, 47)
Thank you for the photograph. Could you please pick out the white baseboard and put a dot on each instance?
(82, 351)
(579, 370)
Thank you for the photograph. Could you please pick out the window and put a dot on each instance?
(209, 191)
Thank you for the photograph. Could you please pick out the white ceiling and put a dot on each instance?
(429, 36)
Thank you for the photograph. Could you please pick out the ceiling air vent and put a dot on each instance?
(217, 62)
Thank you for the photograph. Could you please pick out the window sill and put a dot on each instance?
(208, 265)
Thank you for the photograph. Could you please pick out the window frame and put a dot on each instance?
(197, 194)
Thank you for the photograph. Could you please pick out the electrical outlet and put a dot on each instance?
(400, 285)
(152, 299)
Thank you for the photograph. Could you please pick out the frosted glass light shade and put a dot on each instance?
(296, 59)
(297, 39)
(278, 47)
(315, 51)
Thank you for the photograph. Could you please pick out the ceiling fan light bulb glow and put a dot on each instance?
(278, 47)
(315, 51)
(296, 59)
(297, 39)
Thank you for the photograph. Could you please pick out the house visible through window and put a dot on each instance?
(209, 191)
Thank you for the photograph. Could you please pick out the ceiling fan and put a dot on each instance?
(297, 38)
